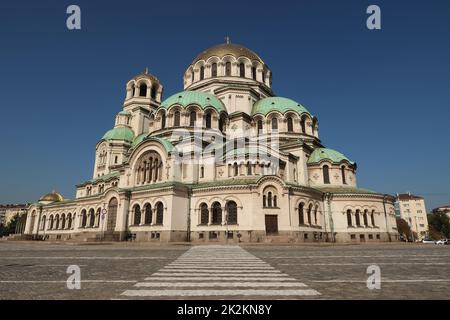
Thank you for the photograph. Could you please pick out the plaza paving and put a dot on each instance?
(143, 271)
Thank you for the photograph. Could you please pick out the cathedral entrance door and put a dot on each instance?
(271, 224)
(111, 215)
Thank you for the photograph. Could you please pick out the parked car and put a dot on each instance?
(442, 241)
(428, 241)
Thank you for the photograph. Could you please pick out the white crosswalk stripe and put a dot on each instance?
(219, 271)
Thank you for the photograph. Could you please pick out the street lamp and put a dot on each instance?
(103, 214)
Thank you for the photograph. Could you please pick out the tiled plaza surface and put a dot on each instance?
(143, 271)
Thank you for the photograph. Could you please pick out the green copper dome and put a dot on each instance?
(185, 98)
(280, 104)
(334, 156)
(120, 133)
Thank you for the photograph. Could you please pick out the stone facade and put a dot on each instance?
(224, 160)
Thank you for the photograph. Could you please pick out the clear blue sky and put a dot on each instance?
(382, 97)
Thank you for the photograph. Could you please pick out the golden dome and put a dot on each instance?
(53, 197)
(224, 49)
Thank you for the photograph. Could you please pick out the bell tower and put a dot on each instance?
(143, 95)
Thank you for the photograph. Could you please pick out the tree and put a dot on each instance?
(405, 230)
(439, 221)
(10, 228)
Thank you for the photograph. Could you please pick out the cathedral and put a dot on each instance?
(224, 160)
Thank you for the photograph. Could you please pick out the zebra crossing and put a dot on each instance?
(219, 271)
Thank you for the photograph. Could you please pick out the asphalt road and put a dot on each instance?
(145, 271)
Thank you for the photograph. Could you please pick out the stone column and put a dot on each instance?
(142, 216)
(154, 216)
(223, 216)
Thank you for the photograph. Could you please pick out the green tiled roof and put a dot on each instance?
(156, 186)
(125, 113)
(138, 139)
(145, 137)
(119, 133)
(280, 104)
(345, 190)
(185, 98)
(320, 154)
(106, 177)
(227, 182)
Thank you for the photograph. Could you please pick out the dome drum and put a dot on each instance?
(227, 62)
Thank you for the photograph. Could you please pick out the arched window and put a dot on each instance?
(163, 121)
(69, 221)
(264, 77)
(192, 118)
(176, 119)
(249, 168)
(309, 213)
(301, 213)
(221, 122)
(91, 218)
(228, 68)
(143, 90)
(202, 172)
(97, 217)
(366, 218)
(216, 213)
(264, 201)
(153, 92)
(269, 199)
(303, 124)
(235, 169)
(204, 214)
(254, 73)
(357, 218)
(275, 201)
(315, 215)
(242, 70)
(148, 214)
(372, 217)
(192, 76)
(274, 123)
(343, 174)
(260, 127)
(290, 125)
(50, 223)
(57, 222)
(208, 120)
(202, 72)
(349, 218)
(83, 219)
(326, 174)
(43, 223)
(214, 70)
(231, 212)
(63, 221)
(133, 90)
(137, 215)
(159, 213)
(148, 168)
